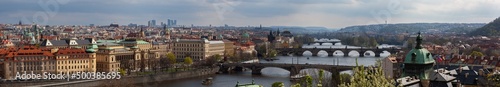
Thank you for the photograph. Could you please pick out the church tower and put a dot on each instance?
(418, 62)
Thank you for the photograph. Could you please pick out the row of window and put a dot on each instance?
(188, 45)
(74, 61)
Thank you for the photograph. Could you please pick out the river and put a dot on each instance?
(271, 74)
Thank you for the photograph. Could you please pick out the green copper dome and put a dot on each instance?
(419, 55)
(245, 35)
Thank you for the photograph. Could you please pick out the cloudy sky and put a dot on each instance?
(325, 13)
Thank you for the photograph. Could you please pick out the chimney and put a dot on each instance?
(466, 75)
(481, 72)
(460, 69)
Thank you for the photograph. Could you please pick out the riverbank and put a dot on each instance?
(126, 81)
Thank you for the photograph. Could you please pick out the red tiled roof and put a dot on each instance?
(29, 51)
(70, 51)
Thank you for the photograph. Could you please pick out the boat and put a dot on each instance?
(248, 84)
(207, 81)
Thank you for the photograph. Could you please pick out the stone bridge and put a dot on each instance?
(321, 41)
(293, 68)
(331, 51)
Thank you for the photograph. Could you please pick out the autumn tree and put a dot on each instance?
(188, 61)
(476, 53)
(278, 84)
(218, 57)
(495, 79)
(171, 58)
(373, 77)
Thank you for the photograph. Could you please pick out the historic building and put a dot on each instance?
(198, 49)
(27, 58)
(71, 60)
(279, 39)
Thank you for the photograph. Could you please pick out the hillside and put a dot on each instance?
(490, 29)
(415, 27)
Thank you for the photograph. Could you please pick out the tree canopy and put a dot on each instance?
(188, 60)
(171, 58)
(373, 77)
(476, 53)
(278, 84)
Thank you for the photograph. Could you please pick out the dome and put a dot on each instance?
(245, 35)
(419, 56)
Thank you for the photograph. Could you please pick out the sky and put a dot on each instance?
(317, 13)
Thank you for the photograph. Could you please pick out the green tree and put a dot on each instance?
(278, 84)
(476, 53)
(188, 61)
(171, 58)
(373, 42)
(373, 77)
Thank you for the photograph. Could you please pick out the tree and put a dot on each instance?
(272, 53)
(373, 77)
(308, 80)
(321, 72)
(494, 78)
(278, 84)
(188, 61)
(296, 85)
(218, 57)
(476, 53)
(171, 58)
(373, 42)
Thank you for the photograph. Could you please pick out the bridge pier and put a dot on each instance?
(256, 70)
(330, 53)
(362, 53)
(378, 52)
(294, 70)
(346, 53)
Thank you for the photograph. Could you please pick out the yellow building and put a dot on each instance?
(229, 48)
(72, 60)
(106, 60)
(199, 49)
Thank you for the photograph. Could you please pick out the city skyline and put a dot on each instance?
(323, 13)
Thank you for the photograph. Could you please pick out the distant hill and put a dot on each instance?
(301, 30)
(414, 27)
(490, 29)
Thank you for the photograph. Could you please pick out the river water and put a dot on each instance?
(271, 74)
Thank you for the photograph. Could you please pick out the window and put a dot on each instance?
(413, 57)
